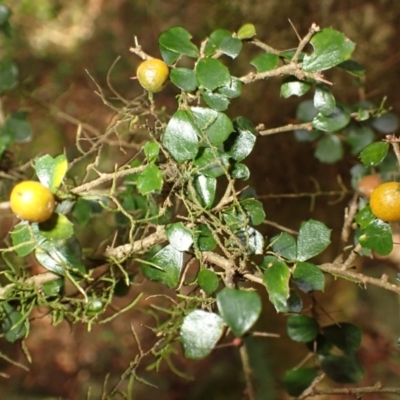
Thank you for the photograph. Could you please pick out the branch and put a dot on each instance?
(291, 127)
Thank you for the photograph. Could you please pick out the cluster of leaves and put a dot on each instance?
(168, 210)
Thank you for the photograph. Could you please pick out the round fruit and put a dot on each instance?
(385, 201)
(32, 201)
(368, 184)
(152, 74)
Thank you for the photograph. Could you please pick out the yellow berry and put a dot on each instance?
(31, 201)
(152, 74)
(385, 201)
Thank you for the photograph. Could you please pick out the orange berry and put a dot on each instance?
(31, 201)
(152, 74)
(368, 184)
(385, 201)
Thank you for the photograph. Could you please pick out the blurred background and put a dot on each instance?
(56, 42)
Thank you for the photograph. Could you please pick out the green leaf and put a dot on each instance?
(345, 336)
(240, 309)
(329, 149)
(61, 256)
(25, 237)
(184, 78)
(211, 162)
(299, 379)
(149, 180)
(14, 325)
(386, 123)
(170, 57)
(308, 277)
(83, 210)
(240, 171)
(333, 122)
(252, 240)
(353, 68)
(374, 153)
(377, 236)
(324, 101)
(208, 280)
(151, 151)
(215, 40)
(301, 328)
(8, 75)
(58, 227)
(285, 245)
(217, 126)
(364, 217)
(205, 187)
(179, 236)
(313, 239)
(204, 238)
(254, 209)
(359, 137)
(216, 101)
(231, 46)
(294, 302)
(51, 171)
(5, 14)
(233, 89)
(292, 86)
(211, 73)
(265, 62)
(165, 266)
(181, 136)
(177, 40)
(200, 332)
(241, 142)
(304, 135)
(17, 128)
(247, 31)
(330, 49)
(276, 279)
(306, 111)
(342, 369)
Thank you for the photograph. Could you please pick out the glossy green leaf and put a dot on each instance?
(217, 126)
(216, 101)
(247, 31)
(329, 149)
(181, 136)
(13, 325)
(353, 68)
(240, 171)
(240, 309)
(8, 75)
(374, 153)
(200, 333)
(25, 237)
(241, 142)
(276, 279)
(231, 46)
(184, 78)
(299, 379)
(170, 57)
(254, 210)
(252, 239)
(308, 277)
(265, 62)
(330, 49)
(359, 137)
(215, 40)
(301, 328)
(151, 151)
(204, 238)
(53, 288)
(345, 336)
(332, 122)
(211, 73)
(377, 236)
(16, 128)
(165, 266)
(364, 217)
(149, 180)
(292, 86)
(233, 89)
(58, 227)
(386, 123)
(285, 245)
(211, 162)
(180, 237)
(208, 280)
(306, 111)
(177, 39)
(324, 101)
(313, 239)
(342, 369)
(304, 135)
(51, 171)
(61, 256)
(294, 302)
(205, 187)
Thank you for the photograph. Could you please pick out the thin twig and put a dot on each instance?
(287, 128)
